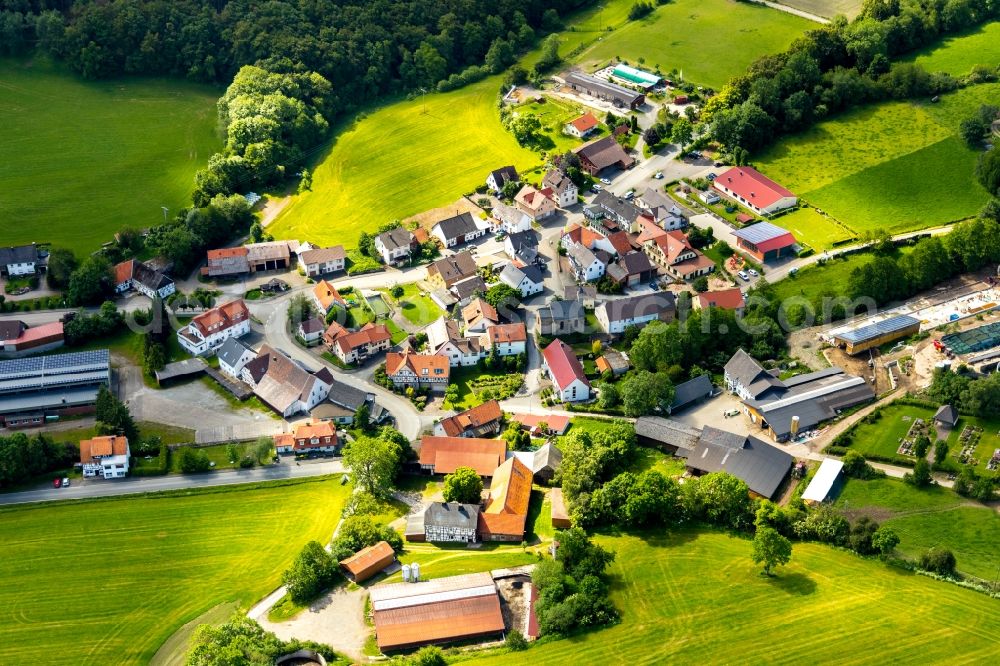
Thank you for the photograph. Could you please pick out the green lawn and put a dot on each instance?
(930, 517)
(881, 437)
(467, 378)
(216, 454)
(440, 560)
(417, 306)
(817, 231)
(108, 581)
(403, 158)
(817, 279)
(708, 41)
(880, 166)
(695, 597)
(958, 54)
(84, 158)
(554, 113)
(989, 441)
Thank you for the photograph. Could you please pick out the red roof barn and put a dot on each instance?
(754, 190)
(765, 241)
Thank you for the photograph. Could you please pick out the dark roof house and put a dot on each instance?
(762, 466)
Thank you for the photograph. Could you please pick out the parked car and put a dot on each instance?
(718, 164)
(744, 276)
(752, 272)
(596, 187)
(655, 286)
(65, 482)
(605, 181)
(793, 270)
(629, 195)
(658, 175)
(711, 175)
(56, 483)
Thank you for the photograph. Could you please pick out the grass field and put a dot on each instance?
(930, 517)
(882, 436)
(403, 158)
(881, 166)
(84, 158)
(554, 113)
(818, 279)
(958, 54)
(826, 8)
(708, 41)
(417, 306)
(695, 597)
(817, 231)
(108, 581)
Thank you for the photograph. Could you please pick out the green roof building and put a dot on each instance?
(636, 76)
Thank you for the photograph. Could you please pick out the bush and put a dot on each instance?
(516, 642)
(938, 560)
(193, 461)
(313, 571)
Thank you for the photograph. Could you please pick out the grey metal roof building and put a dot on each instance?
(459, 225)
(662, 303)
(865, 337)
(54, 382)
(674, 436)
(617, 95)
(763, 467)
(691, 391)
(231, 351)
(760, 232)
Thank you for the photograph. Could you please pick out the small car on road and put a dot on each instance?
(752, 272)
(65, 482)
(56, 483)
(596, 188)
(605, 181)
(743, 276)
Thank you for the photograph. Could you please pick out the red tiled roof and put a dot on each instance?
(752, 185)
(102, 446)
(446, 454)
(620, 241)
(228, 314)
(123, 272)
(476, 417)
(556, 423)
(369, 334)
(584, 123)
(582, 235)
(506, 333)
(417, 362)
(563, 364)
(367, 562)
(451, 620)
(727, 299)
(52, 330)
(507, 507)
(673, 244)
(327, 295)
(648, 230)
(226, 252)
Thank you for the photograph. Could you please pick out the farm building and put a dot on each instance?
(763, 467)
(754, 190)
(600, 154)
(604, 90)
(876, 334)
(689, 392)
(442, 610)
(443, 455)
(560, 516)
(635, 77)
(765, 241)
(823, 482)
(785, 407)
(506, 511)
(369, 561)
(449, 522)
(666, 434)
(555, 424)
(61, 384)
(17, 339)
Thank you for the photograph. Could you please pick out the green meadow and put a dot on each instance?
(826, 8)
(708, 41)
(108, 581)
(84, 158)
(898, 166)
(695, 597)
(958, 54)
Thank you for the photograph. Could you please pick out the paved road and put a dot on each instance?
(795, 12)
(130, 486)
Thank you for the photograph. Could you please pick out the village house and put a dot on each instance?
(612, 361)
(617, 315)
(479, 315)
(765, 241)
(506, 510)
(528, 280)
(105, 456)
(621, 210)
(19, 260)
(355, 347)
(343, 402)
(134, 274)
(602, 154)
(507, 339)
(443, 455)
(321, 261)
(465, 290)
(724, 299)
(451, 522)
(509, 219)
(673, 253)
(444, 340)
(754, 190)
(446, 271)
(661, 208)
(17, 339)
(326, 297)
(568, 378)
(283, 384)
(582, 126)
(458, 229)
(564, 190)
(226, 262)
(206, 332)
(561, 318)
(312, 437)
(395, 246)
(585, 263)
(631, 269)
(500, 177)
(594, 239)
(522, 247)
(481, 421)
(311, 330)
(536, 204)
(585, 293)
(418, 370)
(233, 355)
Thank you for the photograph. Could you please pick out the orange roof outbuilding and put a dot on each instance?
(506, 509)
(446, 454)
(367, 562)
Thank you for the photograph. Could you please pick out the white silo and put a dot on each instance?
(406, 573)
(795, 426)
(415, 572)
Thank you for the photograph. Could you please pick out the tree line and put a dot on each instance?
(840, 66)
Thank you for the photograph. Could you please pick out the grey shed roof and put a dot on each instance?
(231, 351)
(691, 390)
(456, 226)
(760, 232)
(21, 254)
(452, 514)
(946, 414)
(745, 370)
(644, 304)
(667, 432)
(523, 239)
(395, 238)
(763, 467)
(548, 457)
(346, 396)
(617, 206)
(871, 331)
(564, 310)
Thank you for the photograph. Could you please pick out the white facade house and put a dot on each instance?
(233, 355)
(20, 260)
(586, 265)
(459, 229)
(527, 279)
(709, 197)
(209, 330)
(568, 378)
(394, 246)
(617, 315)
(509, 219)
(507, 339)
(500, 177)
(564, 191)
(134, 274)
(321, 261)
(461, 352)
(105, 456)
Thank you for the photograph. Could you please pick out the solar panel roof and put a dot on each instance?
(870, 331)
(760, 232)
